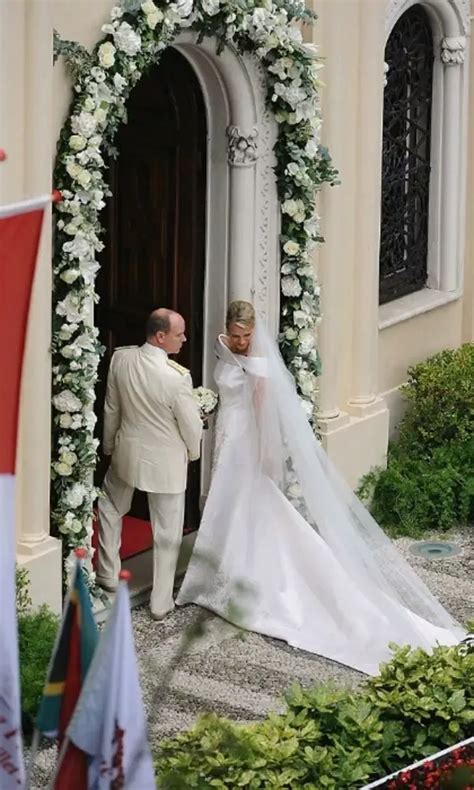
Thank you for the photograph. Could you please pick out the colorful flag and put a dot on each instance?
(71, 660)
(20, 230)
(109, 721)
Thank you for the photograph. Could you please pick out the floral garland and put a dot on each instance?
(134, 38)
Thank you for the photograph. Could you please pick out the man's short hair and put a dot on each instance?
(158, 321)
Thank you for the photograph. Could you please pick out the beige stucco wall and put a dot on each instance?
(363, 363)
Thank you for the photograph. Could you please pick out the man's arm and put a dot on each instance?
(186, 412)
(112, 411)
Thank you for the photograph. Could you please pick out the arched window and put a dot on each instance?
(406, 156)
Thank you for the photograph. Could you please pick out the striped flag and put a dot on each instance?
(72, 656)
(20, 230)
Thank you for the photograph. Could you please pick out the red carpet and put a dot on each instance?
(136, 537)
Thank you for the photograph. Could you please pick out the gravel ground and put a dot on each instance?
(243, 675)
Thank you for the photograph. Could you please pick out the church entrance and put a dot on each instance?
(155, 242)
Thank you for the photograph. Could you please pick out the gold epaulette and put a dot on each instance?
(179, 368)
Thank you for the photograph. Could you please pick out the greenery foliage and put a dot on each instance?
(36, 635)
(333, 738)
(429, 480)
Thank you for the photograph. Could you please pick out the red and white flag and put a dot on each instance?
(20, 230)
(109, 721)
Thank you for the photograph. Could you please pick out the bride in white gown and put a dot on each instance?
(284, 547)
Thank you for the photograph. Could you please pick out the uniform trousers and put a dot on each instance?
(167, 519)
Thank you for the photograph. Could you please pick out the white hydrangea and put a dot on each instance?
(84, 124)
(291, 286)
(76, 495)
(306, 340)
(66, 401)
(211, 7)
(127, 39)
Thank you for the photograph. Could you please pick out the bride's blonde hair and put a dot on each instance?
(241, 313)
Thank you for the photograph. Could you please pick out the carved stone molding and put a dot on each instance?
(241, 147)
(453, 50)
(396, 7)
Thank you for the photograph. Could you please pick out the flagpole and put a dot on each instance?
(36, 740)
(59, 762)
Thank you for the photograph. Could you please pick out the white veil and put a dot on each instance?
(291, 455)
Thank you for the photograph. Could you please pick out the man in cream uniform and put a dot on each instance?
(152, 428)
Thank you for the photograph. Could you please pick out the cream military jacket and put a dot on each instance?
(152, 425)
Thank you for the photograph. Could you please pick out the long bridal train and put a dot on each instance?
(285, 548)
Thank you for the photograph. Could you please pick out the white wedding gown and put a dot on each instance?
(284, 548)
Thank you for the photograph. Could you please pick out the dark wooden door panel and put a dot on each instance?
(155, 240)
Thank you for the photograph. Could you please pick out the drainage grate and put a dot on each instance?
(434, 550)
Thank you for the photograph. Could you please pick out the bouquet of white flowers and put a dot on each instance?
(207, 401)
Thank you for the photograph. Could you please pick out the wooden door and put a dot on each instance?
(155, 241)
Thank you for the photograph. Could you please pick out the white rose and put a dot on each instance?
(64, 470)
(65, 420)
(153, 19)
(291, 286)
(69, 276)
(71, 352)
(127, 40)
(291, 334)
(84, 124)
(100, 115)
(77, 142)
(69, 458)
(107, 54)
(84, 178)
(291, 247)
(66, 401)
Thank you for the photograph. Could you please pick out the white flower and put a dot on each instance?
(127, 40)
(65, 420)
(107, 54)
(69, 275)
(306, 341)
(291, 247)
(207, 400)
(295, 491)
(89, 269)
(307, 382)
(83, 124)
(119, 82)
(79, 248)
(311, 148)
(71, 307)
(77, 142)
(68, 457)
(294, 209)
(100, 115)
(75, 495)
(71, 351)
(149, 7)
(307, 407)
(116, 12)
(291, 286)
(290, 333)
(99, 76)
(311, 227)
(90, 420)
(66, 401)
(211, 7)
(301, 319)
(62, 469)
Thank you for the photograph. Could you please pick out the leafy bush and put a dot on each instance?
(441, 396)
(37, 632)
(416, 494)
(429, 480)
(333, 738)
(23, 600)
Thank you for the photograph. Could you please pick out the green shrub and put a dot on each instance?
(429, 480)
(333, 738)
(23, 600)
(37, 632)
(414, 495)
(441, 396)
